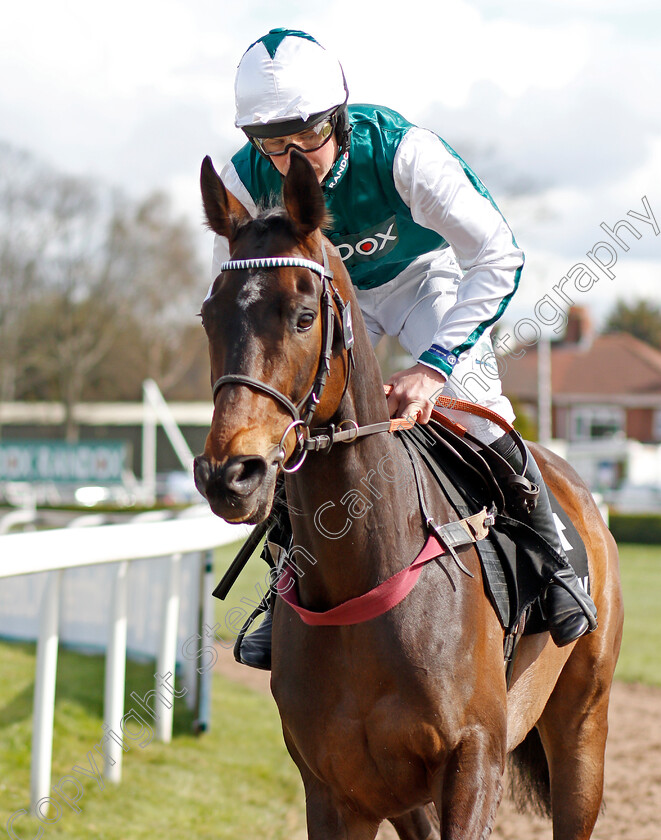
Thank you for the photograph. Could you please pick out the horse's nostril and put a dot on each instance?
(244, 473)
(201, 473)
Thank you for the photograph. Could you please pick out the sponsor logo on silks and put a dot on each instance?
(369, 244)
(444, 355)
(339, 168)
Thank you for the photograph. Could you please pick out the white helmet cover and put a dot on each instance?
(286, 78)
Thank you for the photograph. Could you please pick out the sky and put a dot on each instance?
(554, 103)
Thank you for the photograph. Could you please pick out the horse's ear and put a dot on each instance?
(302, 195)
(223, 211)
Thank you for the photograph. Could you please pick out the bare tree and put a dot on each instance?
(76, 319)
(22, 239)
(84, 270)
(161, 259)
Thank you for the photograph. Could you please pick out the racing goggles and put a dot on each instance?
(309, 140)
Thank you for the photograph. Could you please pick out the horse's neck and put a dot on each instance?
(355, 510)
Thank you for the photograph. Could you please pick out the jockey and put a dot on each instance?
(432, 260)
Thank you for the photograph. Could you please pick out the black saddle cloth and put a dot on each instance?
(516, 561)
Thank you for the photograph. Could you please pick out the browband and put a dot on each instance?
(280, 262)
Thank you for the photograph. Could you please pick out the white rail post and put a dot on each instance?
(204, 678)
(115, 678)
(167, 657)
(44, 691)
(189, 666)
(148, 447)
(152, 394)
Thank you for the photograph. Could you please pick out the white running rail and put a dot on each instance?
(66, 548)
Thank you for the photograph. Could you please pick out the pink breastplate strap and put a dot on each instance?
(372, 604)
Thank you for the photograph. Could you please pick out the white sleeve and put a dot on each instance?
(440, 196)
(221, 251)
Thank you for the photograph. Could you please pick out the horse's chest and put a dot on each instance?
(366, 744)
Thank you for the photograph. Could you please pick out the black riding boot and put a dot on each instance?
(255, 650)
(570, 611)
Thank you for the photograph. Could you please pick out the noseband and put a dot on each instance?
(303, 412)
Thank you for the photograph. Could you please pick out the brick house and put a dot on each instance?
(602, 386)
(605, 399)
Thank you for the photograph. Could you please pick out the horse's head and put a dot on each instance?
(271, 340)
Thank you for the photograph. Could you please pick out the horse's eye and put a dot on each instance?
(305, 322)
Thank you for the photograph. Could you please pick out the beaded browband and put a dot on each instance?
(279, 262)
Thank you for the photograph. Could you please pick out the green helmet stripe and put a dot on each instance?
(276, 36)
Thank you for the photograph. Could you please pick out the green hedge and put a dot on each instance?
(636, 528)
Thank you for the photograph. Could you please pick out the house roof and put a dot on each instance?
(612, 365)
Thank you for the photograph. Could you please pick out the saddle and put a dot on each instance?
(515, 559)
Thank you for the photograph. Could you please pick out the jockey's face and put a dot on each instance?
(322, 159)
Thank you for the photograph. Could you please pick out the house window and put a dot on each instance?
(594, 422)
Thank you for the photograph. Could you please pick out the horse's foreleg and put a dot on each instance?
(329, 820)
(420, 824)
(468, 791)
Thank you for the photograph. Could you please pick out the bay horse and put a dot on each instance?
(405, 717)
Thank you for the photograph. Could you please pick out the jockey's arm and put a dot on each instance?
(441, 196)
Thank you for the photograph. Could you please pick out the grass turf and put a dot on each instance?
(640, 569)
(234, 781)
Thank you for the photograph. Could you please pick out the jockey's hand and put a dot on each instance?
(412, 392)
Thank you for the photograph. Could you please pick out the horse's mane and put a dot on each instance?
(268, 209)
(270, 219)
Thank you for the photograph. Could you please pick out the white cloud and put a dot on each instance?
(635, 279)
(548, 99)
(89, 50)
(438, 53)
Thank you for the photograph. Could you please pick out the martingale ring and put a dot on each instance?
(355, 425)
(300, 441)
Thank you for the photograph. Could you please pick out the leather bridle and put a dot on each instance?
(302, 413)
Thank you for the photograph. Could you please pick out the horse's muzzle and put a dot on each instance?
(230, 487)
